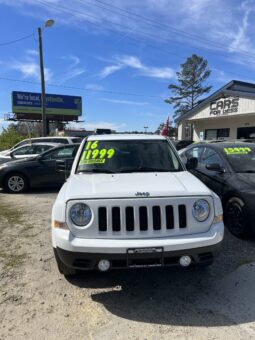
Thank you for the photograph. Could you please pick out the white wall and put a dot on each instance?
(221, 123)
(244, 117)
(180, 131)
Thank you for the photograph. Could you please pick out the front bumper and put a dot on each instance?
(89, 261)
(85, 253)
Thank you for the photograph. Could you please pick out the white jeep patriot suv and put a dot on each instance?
(130, 202)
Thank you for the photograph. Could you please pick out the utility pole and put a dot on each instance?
(43, 99)
(145, 129)
(48, 23)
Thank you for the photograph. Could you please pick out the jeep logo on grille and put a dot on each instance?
(143, 194)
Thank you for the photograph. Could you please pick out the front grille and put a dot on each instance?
(156, 217)
(182, 216)
(116, 219)
(130, 219)
(169, 217)
(102, 219)
(142, 218)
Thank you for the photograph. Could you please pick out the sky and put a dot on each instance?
(119, 55)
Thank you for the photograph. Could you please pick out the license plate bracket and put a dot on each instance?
(145, 257)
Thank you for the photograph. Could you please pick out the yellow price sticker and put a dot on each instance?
(92, 161)
(237, 151)
(91, 152)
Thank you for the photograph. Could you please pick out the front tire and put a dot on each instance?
(63, 269)
(235, 218)
(15, 183)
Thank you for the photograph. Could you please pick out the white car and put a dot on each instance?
(130, 202)
(49, 139)
(26, 151)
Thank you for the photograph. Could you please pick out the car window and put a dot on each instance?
(77, 140)
(128, 156)
(25, 150)
(59, 140)
(24, 142)
(40, 140)
(210, 156)
(194, 152)
(41, 148)
(62, 153)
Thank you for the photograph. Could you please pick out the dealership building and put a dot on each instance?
(229, 113)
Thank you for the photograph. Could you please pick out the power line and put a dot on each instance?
(159, 24)
(16, 40)
(146, 34)
(159, 48)
(83, 88)
(72, 12)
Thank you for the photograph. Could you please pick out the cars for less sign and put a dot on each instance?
(224, 106)
(30, 103)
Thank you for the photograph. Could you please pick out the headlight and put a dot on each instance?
(80, 214)
(201, 210)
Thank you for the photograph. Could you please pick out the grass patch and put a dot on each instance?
(14, 260)
(12, 215)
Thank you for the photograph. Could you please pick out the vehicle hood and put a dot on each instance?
(245, 181)
(128, 185)
(5, 152)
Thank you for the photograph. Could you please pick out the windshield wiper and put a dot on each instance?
(102, 171)
(143, 169)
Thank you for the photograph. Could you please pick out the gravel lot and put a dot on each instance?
(36, 302)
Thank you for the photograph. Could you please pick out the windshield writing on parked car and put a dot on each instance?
(241, 158)
(126, 156)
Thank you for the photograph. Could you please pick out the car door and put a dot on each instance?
(47, 173)
(215, 180)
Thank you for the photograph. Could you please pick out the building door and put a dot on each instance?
(246, 133)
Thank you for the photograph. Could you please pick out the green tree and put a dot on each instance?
(9, 137)
(191, 85)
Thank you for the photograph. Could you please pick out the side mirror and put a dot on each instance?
(214, 167)
(192, 163)
(12, 155)
(39, 158)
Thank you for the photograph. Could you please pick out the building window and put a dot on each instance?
(246, 132)
(216, 134)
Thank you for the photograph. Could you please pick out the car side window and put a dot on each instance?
(26, 150)
(24, 142)
(194, 152)
(59, 140)
(62, 153)
(210, 156)
(41, 148)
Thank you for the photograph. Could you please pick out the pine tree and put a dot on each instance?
(191, 77)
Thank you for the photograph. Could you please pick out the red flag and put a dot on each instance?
(164, 131)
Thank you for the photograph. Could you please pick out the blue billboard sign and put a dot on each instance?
(30, 103)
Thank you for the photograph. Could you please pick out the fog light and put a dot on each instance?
(104, 265)
(185, 261)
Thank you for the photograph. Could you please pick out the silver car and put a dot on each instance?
(26, 151)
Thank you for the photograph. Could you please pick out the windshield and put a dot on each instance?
(123, 156)
(241, 158)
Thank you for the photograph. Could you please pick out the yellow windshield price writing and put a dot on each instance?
(92, 153)
(237, 151)
(93, 161)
